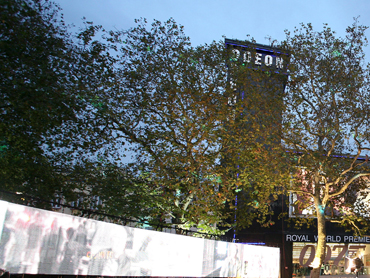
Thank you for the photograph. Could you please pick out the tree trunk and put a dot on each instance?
(321, 241)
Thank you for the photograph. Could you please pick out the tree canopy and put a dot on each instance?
(170, 107)
(46, 76)
(36, 93)
(326, 127)
(74, 105)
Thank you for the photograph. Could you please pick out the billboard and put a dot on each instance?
(36, 241)
(339, 259)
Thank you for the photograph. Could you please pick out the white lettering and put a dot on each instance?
(333, 239)
(237, 54)
(279, 63)
(258, 59)
(345, 238)
(268, 60)
(297, 238)
(247, 57)
(232, 84)
(359, 239)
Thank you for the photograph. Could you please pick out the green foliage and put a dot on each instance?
(326, 117)
(72, 106)
(253, 154)
(33, 62)
(167, 107)
(46, 75)
(325, 125)
(170, 106)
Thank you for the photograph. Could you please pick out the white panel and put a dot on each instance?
(3, 208)
(38, 241)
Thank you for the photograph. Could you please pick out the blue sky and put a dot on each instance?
(207, 20)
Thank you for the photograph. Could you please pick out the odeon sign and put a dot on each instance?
(259, 58)
(329, 238)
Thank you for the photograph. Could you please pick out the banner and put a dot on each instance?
(35, 241)
(340, 259)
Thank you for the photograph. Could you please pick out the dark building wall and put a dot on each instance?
(273, 235)
(265, 79)
(284, 234)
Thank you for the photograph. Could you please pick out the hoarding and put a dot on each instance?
(36, 241)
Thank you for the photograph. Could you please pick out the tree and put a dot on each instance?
(74, 104)
(34, 57)
(325, 126)
(169, 106)
(45, 75)
(253, 152)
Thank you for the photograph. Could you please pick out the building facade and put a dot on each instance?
(297, 244)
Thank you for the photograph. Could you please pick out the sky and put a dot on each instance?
(208, 20)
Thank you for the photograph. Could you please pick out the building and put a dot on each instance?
(297, 244)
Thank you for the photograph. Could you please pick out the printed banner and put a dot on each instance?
(36, 241)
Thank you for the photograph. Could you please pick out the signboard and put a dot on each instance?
(258, 55)
(339, 258)
(35, 241)
(329, 238)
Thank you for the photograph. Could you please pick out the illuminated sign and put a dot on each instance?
(329, 238)
(35, 241)
(268, 57)
(339, 259)
(343, 250)
(258, 59)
